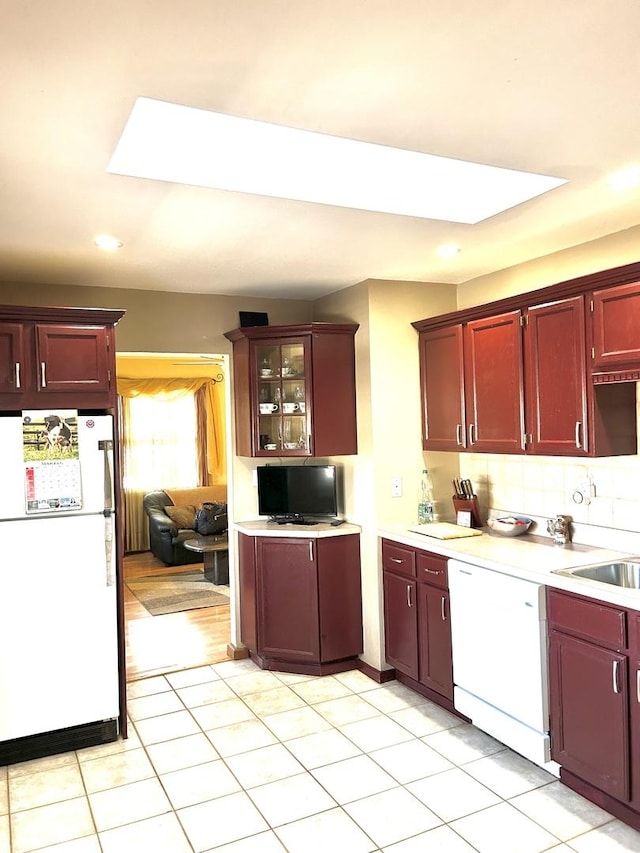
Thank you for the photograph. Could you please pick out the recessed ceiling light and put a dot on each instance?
(107, 242)
(625, 179)
(171, 142)
(448, 250)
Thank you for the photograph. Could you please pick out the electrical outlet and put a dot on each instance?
(396, 487)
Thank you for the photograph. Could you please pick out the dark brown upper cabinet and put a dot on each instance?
(442, 382)
(494, 390)
(57, 357)
(472, 386)
(295, 391)
(551, 372)
(616, 331)
(556, 379)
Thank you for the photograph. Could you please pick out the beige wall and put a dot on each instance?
(162, 322)
(612, 251)
(389, 432)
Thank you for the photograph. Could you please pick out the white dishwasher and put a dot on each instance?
(499, 643)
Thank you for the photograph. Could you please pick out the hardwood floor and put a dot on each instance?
(160, 644)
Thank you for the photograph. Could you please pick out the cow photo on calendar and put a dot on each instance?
(50, 435)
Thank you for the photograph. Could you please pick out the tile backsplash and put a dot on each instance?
(544, 486)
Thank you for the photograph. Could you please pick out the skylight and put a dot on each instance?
(172, 142)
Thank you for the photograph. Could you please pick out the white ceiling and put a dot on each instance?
(543, 86)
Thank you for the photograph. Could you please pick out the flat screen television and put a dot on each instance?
(297, 493)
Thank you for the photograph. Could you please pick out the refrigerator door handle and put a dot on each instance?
(108, 547)
(106, 445)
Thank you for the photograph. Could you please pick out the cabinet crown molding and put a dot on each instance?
(573, 287)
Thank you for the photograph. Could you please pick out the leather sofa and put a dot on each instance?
(166, 536)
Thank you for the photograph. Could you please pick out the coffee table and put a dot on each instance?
(215, 553)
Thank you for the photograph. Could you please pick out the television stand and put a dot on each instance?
(291, 519)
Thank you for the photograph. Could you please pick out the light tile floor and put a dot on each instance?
(233, 759)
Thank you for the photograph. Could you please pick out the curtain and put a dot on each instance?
(172, 436)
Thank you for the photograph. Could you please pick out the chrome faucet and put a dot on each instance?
(559, 528)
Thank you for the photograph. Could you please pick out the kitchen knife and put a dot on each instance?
(467, 488)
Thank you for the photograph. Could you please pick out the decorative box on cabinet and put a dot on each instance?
(594, 682)
(57, 357)
(417, 620)
(300, 602)
(295, 390)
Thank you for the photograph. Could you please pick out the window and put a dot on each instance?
(160, 445)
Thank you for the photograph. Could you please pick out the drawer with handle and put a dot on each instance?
(431, 568)
(397, 559)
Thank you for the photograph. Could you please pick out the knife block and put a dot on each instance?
(468, 505)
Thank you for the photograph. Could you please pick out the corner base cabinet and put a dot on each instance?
(300, 602)
(417, 625)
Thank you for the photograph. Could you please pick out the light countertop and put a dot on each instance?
(303, 531)
(529, 557)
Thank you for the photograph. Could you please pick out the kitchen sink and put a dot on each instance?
(624, 574)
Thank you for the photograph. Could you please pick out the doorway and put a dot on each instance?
(165, 643)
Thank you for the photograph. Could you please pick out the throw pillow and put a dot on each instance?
(184, 516)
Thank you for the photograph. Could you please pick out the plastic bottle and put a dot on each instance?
(425, 499)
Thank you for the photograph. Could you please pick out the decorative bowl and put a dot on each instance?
(510, 525)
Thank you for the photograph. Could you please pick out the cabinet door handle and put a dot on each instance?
(409, 602)
(472, 434)
(18, 374)
(459, 440)
(443, 610)
(43, 374)
(311, 552)
(615, 671)
(578, 442)
(396, 560)
(433, 571)
(638, 685)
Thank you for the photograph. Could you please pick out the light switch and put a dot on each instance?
(396, 487)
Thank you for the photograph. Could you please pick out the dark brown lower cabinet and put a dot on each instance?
(300, 602)
(417, 620)
(591, 713)
(401, 623)
(634, 701)
(594, 681)
(434, 639)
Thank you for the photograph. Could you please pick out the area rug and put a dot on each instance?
(178, 591)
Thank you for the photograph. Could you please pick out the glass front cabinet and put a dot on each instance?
(294, 389)
(282, 421)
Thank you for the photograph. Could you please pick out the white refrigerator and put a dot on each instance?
(59, 684)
